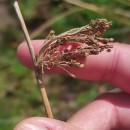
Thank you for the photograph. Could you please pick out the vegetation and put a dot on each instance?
(19, 97)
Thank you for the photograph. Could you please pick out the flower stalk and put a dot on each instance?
(88, 39)
(38, 73)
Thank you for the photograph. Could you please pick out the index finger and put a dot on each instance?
(112, 67)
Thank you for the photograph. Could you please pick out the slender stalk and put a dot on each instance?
(38, 74)
(118, 14)
(86, 5)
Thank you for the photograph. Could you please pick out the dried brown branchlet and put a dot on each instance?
(90, 42)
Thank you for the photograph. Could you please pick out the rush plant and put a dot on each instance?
(85, 41)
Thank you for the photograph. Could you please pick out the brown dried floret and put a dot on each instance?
(90, 42)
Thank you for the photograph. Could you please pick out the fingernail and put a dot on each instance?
(29, 126)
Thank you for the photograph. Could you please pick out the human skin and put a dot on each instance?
(110, 111)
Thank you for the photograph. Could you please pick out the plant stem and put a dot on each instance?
(38, 74)
(85, 5)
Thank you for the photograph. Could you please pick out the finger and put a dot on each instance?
(112, 67)
(108, 112)
(23, 53)
(40, 123)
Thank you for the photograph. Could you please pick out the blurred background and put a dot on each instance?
(19, 96)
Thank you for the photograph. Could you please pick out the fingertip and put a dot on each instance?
(42, 123)
(23, 53)
(29, 124)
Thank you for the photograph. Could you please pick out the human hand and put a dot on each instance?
(110, 111)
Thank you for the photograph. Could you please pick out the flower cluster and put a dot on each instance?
(89, 42)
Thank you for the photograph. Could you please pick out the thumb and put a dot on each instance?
(41, 123)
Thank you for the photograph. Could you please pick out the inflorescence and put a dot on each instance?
(89, 42)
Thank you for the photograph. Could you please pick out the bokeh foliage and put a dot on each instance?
(19, 97)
